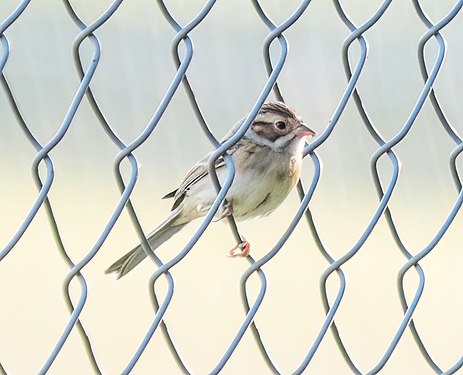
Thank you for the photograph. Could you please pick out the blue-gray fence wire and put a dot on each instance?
(354, 53)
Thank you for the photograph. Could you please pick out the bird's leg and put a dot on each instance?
(226, 209)
(244, 250)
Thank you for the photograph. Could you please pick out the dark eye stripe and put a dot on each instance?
(261, 123)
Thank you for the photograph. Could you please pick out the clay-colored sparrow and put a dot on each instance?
(268, 161)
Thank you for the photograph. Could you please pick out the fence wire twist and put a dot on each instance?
(384, 187)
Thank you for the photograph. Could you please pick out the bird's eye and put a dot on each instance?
(280, 125)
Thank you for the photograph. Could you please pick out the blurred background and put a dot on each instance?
(227, 74)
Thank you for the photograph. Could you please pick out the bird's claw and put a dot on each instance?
(244, 250)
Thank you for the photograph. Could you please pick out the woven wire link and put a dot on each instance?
(182, 50)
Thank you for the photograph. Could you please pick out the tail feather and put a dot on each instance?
(156, 238)
(127, 262)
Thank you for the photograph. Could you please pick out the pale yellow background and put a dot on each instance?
(227, 74)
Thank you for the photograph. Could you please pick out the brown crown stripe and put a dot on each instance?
(278, 107)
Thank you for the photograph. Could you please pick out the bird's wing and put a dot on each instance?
(196, 173)
(200, 170)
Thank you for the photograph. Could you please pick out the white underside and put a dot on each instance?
(247, 193)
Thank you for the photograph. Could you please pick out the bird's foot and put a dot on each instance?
(244, 250)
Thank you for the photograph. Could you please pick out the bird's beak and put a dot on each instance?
(304, 131)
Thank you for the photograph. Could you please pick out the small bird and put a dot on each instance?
(268, 162)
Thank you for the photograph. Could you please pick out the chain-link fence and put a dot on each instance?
(361, 274)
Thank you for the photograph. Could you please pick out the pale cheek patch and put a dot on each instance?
(258, 139)
(282, 141)
(275, 146)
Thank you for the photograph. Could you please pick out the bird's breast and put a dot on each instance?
(263, 184)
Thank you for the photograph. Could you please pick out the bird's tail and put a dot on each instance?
(156, 238)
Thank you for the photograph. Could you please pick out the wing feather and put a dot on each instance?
(200, 170)
(196, 173)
